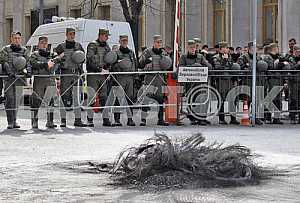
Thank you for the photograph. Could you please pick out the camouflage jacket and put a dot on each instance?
(6, 58)
(121, 55)
(39, 63)
(220, 63)
(246, 60)
(68, 63)
(95, 56)
(149, 60)
(200, 59)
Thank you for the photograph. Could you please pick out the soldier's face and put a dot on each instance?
(224, 50)
(157, 44)
(275, 50)
(192, 49)
(291, 44)
(103, 37)
(43, 44)
(16, 39)
(239, 51)
(71, 36)
(124, 43)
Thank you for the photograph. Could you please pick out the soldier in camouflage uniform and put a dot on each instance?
(150, 60)
(2, 98)
(223, 61)
(246, 61)
(198, 45)
(270, 56)
(294, 85)
(192, 58)
(73, 72)
(96, 52)
(126, 62)
(8, 55)
(42, 62)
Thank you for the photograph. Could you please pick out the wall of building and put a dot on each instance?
(158, 18)
(2, 23)
(290, 27)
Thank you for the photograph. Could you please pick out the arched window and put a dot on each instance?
(270, 21)
(219, 20)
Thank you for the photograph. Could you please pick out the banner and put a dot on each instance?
(192, 74)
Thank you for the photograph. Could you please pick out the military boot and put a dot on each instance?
(162, 123)
(233, 121)
(90, 122)
(79, 123)
(277, 121)
(143, 122)
(16, 125)
(117, 117)
(34, 123)
(202, 122)
(50, 123)
(10, 126)
(117, 123)
(34, 119)
(130, 122)
(63, 123)
(107, 123)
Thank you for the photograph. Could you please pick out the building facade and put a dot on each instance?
(210, 20)
(22, 15)
(231, 20)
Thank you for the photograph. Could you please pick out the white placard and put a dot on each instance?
(192, 74)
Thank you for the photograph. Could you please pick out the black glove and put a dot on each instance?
(148, 61)
(11, 75)
(28, 75)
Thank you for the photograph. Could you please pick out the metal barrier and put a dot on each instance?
(223, 81)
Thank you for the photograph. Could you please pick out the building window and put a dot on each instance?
(270, 20)
(219, 21)
(48, 13)
(104, 12)
(9, 29)
(75, 13)
(27, 28)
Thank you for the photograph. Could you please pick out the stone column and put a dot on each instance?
(241, 22)
(63, 8)
(204, 28)
(290, 13)
(18, 15)
(2, 21)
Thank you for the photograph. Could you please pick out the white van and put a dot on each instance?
(86, 32)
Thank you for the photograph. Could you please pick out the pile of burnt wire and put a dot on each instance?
(161, 163)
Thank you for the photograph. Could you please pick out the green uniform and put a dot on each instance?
(96, 51)
(189, 61)
(122, 80)
(274, 79)
(68, 82)
(150, 61)
(42, 80)
(7, 55)
(225, 82)
(294, 86)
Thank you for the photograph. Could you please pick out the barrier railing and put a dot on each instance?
(223, 81)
